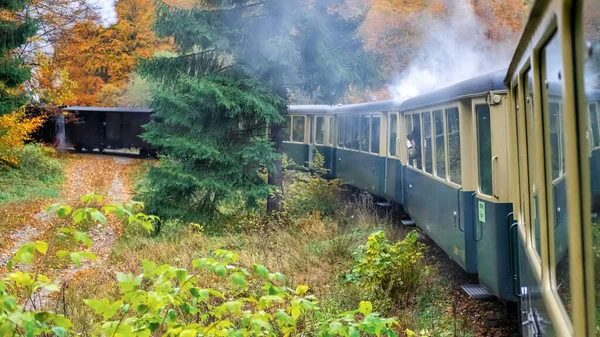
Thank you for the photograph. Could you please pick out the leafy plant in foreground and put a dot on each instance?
(216, 296)
(393, 269)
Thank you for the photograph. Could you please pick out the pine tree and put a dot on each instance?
(237, 60)
(14, 32)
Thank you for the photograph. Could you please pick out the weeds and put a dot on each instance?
(38, 176)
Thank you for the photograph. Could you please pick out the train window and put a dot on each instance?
(555, 139)
(591, 24)
(440, 149)
(355, 132)
(364, 132)
(375, 127)
(393, 133)
(348, 139)
(427, 145)
(593, 109)
(320, 130)
(298, 125)
(285, 131)
(330, 141)
(532, 163)
(416, 137)
(311, 123)
(484, 148)
(340, 131)
(552, 94)
(410, 143)
(453, 130)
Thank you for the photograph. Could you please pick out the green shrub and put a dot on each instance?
(38, 175)
(395, 270)
(215, 296)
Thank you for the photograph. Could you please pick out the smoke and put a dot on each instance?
(455, 49)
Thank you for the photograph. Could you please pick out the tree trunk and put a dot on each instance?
(275, 201)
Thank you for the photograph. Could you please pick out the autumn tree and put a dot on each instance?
(236, 62)
(101, 60)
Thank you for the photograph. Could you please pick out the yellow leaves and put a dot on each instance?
(53, 83)
(15, 129)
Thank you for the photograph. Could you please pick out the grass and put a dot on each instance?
(39, 175)
(314, 249)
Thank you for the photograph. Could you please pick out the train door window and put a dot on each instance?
(375, 127)
(416, 137)
(363, 140)
(439, 149)
(551, 61)
(348, 139)
(427, 145)
(298, 125)
(320, 130)
(393, 133)
(286, 129)
(534, 178)
(591, 19)
(340, 128)
(595, 136)
(355, 132)
(409, 141)
(484, 149)
(453, 130)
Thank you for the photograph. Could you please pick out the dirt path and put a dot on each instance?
(27, 221)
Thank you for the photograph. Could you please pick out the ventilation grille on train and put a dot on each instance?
(478, 291)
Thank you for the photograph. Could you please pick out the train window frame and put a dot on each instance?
(443, 108)
(475, 104)
(372, 118)
(435, 145)
(288, 126)
(304, 130)
(424, 143)
(330, 131)
(447, 135)
(364, 135)
(595, 136)
(316, 130)
(389, 135)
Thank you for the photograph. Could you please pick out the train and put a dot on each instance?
(502, 170)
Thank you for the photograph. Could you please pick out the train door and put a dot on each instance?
(113, 128)
(492, 210)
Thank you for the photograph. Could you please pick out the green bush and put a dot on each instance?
(38, 175)
(313, 193)
(396, 270)
(215, 296)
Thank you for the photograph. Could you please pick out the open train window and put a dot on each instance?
(341, 133)
(409, 141)
(363, 139)
(348, 132)
(298, 125)
(393, 133)
(285, 131)
(427, 153)
(320, 130)
(440, 142)
(330, 141)
(484, 149)
(355, 132)
(375, 128)
(453, 130)
(416, 138)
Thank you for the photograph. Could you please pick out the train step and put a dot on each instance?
(477, 291)
(408, 222)
(384, 204)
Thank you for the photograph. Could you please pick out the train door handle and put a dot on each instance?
(458, 213)
(475, 231)
(455, 215)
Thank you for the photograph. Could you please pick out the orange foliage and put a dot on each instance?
(15, 129)
(502, 19)
(52, 83)
(97, 56)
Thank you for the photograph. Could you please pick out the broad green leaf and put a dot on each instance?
(238, 279)
(98, 216)
(83, 238)
(181, 274)
(62, 253)
(365, 308)
(59, 331)
(64, 211)
(41, 247)
(301, 290)
(221, 271)
(261, 270)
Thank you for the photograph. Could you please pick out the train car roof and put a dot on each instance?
(475, 86)
(379, 106)
(309, 109)
(103, 109)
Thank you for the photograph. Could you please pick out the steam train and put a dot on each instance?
(502, 171)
